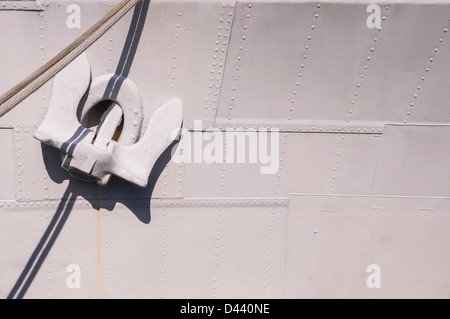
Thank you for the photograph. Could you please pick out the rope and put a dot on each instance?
(21, 91)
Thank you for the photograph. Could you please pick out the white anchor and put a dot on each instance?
(95, 156)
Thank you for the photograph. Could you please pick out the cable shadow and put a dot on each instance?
(129, 50)
(44, 246)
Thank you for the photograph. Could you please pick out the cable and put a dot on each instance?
(21, 91)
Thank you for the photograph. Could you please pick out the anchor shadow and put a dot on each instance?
(118, 191)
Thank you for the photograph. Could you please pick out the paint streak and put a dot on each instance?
(99, 242)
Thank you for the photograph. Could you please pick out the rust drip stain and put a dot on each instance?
(99, 241)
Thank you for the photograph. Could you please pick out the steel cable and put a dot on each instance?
(21, 91)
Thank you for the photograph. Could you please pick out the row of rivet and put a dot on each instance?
(430, 61)
(173, 69)
(163, 259)
(274, 204)
(21, 5)
(221, 65)
(273, 215)
(283, 128)
(21, 135)
(363, 75)
(156, 203)
(304, 57)
(218, 62)
(180, 173)
(308, 129)
(239, 60)
(217, 243)
(44, 104)
(336, 164)
(173, 77)
(19, 169)
(110, 49)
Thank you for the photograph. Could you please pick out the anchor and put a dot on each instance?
(94, 156)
